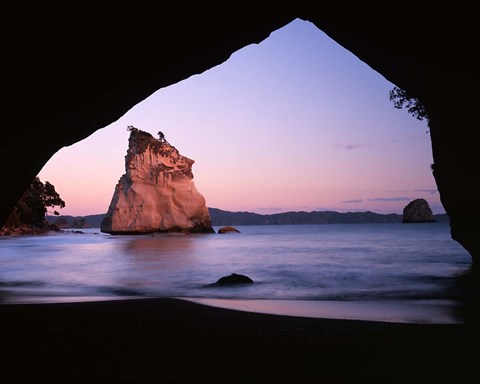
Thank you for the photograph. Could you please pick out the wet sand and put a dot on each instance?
(398, 311)
(172, 340)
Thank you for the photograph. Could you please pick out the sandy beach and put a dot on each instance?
(172, 340)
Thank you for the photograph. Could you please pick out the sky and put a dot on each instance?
(295, 123)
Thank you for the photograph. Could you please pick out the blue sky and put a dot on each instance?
(293, 123)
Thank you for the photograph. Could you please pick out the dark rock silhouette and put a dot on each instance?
(234, 279)
(228, 229)
(418, 211)
(90, 83)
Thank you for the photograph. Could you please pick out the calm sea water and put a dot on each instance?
(336, 262)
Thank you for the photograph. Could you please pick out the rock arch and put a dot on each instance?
(69, 75)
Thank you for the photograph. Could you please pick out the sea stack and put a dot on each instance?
(418, 211)
(157, 192)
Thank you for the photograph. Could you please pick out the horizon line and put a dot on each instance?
(266, 214)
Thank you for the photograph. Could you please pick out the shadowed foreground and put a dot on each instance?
(169, 340)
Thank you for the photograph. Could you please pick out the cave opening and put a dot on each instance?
(296, 113)
(295, 123)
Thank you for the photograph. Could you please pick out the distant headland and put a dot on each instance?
(221, 217)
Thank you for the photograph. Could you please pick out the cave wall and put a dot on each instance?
(68, 74)
(431, 54)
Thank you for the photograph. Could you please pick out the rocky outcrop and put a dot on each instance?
(157, 192)
(28, 229)
(418, 211)
(234, 279)
(228, 229)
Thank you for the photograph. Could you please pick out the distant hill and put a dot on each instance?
(441, 218)
(89, 221)
(222, 218)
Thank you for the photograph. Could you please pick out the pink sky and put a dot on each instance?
(293, 123)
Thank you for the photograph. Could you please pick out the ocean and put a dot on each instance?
(386, 272)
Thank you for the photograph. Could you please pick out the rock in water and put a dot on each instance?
(228, 229)
(418, 211)
(157, 193)
(234, 279)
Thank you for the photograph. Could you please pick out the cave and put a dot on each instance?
(68, 75)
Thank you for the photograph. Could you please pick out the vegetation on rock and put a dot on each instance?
(28, 216)
(401, 99)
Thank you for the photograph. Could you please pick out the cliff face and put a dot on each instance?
(157, 192)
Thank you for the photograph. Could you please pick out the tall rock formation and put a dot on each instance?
(418, 211)
(157, 192)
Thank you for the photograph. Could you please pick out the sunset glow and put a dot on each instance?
(293, 123)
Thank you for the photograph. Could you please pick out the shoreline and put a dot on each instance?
(399, 311)
(431, 311)
(168, 339)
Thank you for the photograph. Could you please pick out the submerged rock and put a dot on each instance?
(418, 211)
(233, 279)
(157, 192)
